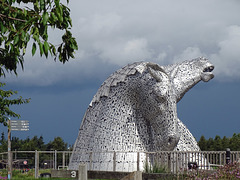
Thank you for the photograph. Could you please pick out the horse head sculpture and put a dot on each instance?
(135, 109)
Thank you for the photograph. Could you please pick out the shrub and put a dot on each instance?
(156, 168)
(229, 171)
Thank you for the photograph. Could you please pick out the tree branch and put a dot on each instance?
(4, 16)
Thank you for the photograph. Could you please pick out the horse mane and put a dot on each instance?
(120, 76)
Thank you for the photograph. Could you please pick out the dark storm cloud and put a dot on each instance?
(111, 34)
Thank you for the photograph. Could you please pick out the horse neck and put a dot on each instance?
(183, 84)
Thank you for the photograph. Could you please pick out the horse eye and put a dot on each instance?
(161, 99)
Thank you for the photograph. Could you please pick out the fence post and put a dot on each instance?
(228, 153)
(55, 163)
(176, 161)
(138, 160)
(114, 161)
(63, 159)
(169, 160)
(82, 172)
(90, 160)
(36, 163)
(10, 156)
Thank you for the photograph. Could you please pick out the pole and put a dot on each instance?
(55, 162)
(63, 159)
(228, 154)
(9, 151)
(36, 164)
(138, 161)
(114, 161)
(82, 172)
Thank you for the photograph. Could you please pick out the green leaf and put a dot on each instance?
(46, 48)
(1, 40)
(53, 17)
(59, 14)
(36, 38)
(32, 30)
(2, 28)
(12, 48)
(27, 37)
(23, 35)
(24, 12)
(42, 5)
(36, 6)
(16, 39)
(54, 50)
(24, 50)
(70, 22)
(45, 18)
(34, 47)
(40, 48)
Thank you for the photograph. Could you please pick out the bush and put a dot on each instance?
(156, 168)
(229, 171)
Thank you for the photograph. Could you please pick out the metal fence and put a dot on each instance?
(172, 160)
(25, 160)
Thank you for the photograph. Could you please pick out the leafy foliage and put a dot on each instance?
(5, 102)
(25, 21)
(220, 144)
(19, 25)
(156, 168)
(226, 172)
(57, 144)
(36, 143)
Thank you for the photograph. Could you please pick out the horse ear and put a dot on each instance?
(157, 72)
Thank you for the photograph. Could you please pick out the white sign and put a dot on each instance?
(19, 125)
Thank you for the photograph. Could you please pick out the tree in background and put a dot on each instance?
(210, 144)
(202, 143)
(225, 143)
(25, 21)
(35, 143)
(234, 142)
(21, 24)
(220, 144)
(57, 144)
(6, 102)
(217, 145)
(3, 143)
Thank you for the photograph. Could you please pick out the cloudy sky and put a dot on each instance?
(111, 34)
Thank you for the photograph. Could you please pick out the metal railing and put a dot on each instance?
(174, 161)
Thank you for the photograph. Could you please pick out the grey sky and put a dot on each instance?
(111, 34)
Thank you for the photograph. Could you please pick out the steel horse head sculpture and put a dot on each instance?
(135, 109)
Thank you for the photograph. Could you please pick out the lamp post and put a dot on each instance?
(9, 151)
(14, 126)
